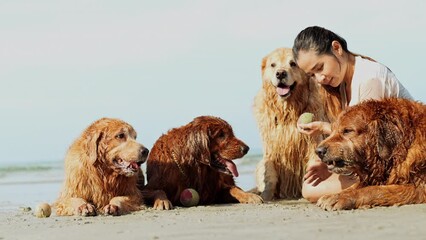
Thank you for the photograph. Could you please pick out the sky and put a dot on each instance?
(158, 64)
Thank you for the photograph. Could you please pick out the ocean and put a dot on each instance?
(28, 184)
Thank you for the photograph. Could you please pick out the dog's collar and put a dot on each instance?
(178, 165)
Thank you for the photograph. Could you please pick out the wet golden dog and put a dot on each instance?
(198, 155)
(101, 171)
(286, 93)
(384, 144)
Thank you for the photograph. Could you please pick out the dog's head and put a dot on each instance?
(217, 144)
(110, 144)
(281, 71)
(363, 137)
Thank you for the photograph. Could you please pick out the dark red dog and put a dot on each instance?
(198, 155)
(384, 144)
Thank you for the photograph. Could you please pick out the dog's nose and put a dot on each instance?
(245, 149)
(281, 74)
(321, 151)
(144, 152)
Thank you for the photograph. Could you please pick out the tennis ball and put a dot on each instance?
(306, 117)
(43, 210)
(189, 197)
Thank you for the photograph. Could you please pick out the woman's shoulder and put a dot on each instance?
(370, 69)
(369, 64)
(372, 78)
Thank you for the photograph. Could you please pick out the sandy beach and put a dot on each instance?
(296, 219)
(29, 185)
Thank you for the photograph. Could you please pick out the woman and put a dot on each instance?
(346, 79)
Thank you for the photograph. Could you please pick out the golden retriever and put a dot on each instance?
(198, 155)
(384, 144)
(101, 171)
(286, 93)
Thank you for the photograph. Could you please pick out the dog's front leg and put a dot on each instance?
(75, 206)
(266, 179)
(158, 199)
(371, 196)
(122, 205)
(237, 193)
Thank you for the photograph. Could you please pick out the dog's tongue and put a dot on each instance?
(232, 167)
(283, 90)
(134, 165)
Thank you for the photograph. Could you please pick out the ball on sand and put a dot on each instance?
(43, 210)
(306, 117)
(189, 197)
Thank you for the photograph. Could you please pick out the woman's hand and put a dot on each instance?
(314, 128)
(316, 172)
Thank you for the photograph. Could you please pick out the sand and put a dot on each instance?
(295, 219)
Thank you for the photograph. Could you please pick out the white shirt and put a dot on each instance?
(373, 80)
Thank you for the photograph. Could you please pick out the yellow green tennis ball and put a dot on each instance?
(306, 117)
(189, 197)
(43, 210)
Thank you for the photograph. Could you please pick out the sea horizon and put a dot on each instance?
(25, 184)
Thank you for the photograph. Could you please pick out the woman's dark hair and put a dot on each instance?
(318, 39)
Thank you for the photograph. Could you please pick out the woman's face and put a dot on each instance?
(326, 69)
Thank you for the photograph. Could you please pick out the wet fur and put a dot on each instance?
(192, 147)
(383, 143)
(279, 175)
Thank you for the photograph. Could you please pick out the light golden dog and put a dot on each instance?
(101, 171)
(286, 93)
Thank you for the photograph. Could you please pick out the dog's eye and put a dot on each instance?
(120, 136)
(273, 65)
(221, 135)
(347, 131)
(293, 64)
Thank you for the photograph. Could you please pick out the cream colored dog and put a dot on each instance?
(286, 93)
(102, 168)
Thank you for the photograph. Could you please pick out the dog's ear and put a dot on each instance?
(202, 145)
(92, 140)
(388, 136)
(263, 66)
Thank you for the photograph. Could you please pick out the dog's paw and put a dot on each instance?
(86, 210)
(112, 209)
(160, 204)
(251, 198)
(267, 195)
(333, 202)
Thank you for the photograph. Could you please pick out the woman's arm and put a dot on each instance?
(314, 128)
